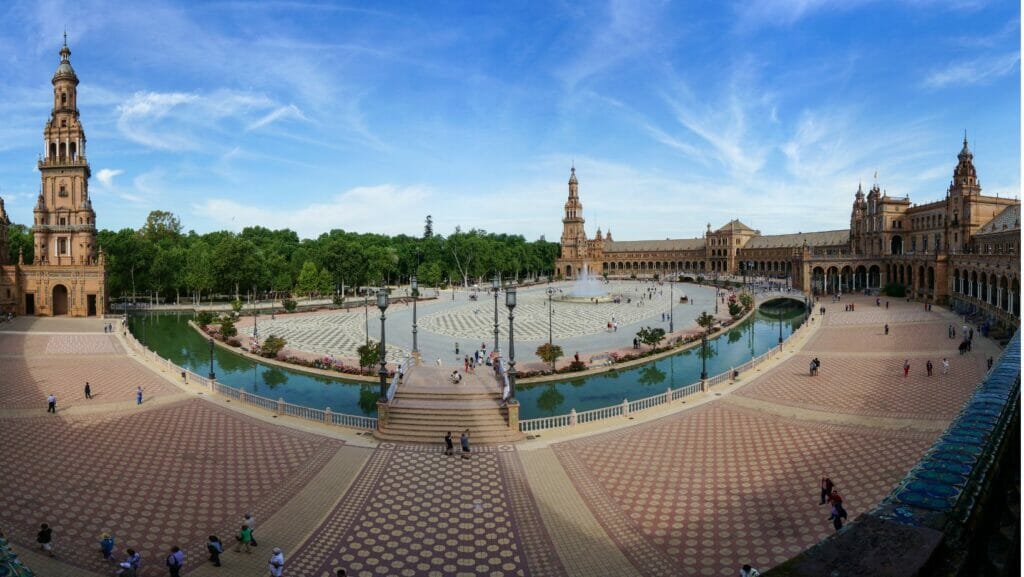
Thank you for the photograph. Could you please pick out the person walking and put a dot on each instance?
(130, 566)
(138, 395)
(51, 403)
(826, 488)
(107, 546)
(464, 441)
(175, 560)
(945, 366)
(906, 368)
(88, 390)
(250, 522)
(748, 571)
(215, 547)
(886, 328)
(276, 563)
(449, 447)
(928, 367)
(244, 540)
(45, 539)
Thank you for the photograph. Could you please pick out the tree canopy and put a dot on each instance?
(159, 258)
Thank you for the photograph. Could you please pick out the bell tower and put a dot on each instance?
(64, 224)
(962, 190)
(574, 238)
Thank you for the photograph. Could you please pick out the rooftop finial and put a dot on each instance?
(65, 36)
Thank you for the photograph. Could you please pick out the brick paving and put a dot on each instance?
(418, 512)
(156, 478)
(705, 491)
(698, 492)
(30, 379)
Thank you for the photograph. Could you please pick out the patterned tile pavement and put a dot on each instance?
(872, 386)
(415, 511)
(165, 476)
(704, 491)
(872, 338)
(29, 379)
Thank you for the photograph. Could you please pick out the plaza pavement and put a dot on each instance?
(442, 323)
(699, 489)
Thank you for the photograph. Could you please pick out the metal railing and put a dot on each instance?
(402, 367)
(277, 406)
(627, 407)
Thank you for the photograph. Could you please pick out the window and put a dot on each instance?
(62, 246)
(924, 243)
(63, 191)
(62, 221)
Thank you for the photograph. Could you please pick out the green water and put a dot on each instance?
(171, 337)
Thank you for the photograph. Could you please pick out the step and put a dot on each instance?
(411, 424)
(448, 418)
(433, 395)
(450, 405)
(434, 438)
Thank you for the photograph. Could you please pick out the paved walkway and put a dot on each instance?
(696, 489)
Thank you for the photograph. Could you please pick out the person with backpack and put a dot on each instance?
(175, 561)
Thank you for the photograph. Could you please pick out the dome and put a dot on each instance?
(64, 69)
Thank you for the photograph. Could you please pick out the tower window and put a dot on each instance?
(63, 98)
(63, 191)
(62, 246)
(62, 222)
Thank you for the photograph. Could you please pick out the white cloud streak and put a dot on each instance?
(975, 71)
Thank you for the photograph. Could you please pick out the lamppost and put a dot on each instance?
(671, 307)
(415, 297)
(551, 316)
(704, 354)
(382, 304)
(780, 326)
(212, 374)
(495, 286)
(366, 312)
(510, 302)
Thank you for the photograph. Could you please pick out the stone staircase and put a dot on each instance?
(427, 405)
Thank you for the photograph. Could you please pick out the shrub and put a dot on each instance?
(339, 300)
(576, 366)
(204, 318)
(227, 329)
(234, 343)
(236, 305)
(272, 345)
(289, 305)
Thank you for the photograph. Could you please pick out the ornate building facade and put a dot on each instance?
(67, 274)
(963, 249)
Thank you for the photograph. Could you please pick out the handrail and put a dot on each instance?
(626, 407)
(402, 367)
(277, 406)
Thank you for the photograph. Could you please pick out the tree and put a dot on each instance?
(705, 320)
(160, 225)
(735, 309)
(289, 305)
(309, 279)
(236, 305)
(651, 337)
(271, 346)
(428, 227)
(549, 354)
(746, 300)
(369, 354)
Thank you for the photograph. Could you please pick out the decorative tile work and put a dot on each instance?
(166, 476)
(704, 491)
(416, 512)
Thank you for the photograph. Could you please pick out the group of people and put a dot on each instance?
(928, 367)
(830, 494)
(815, 365)
(175, 559)
(51, 399)
(449, 445)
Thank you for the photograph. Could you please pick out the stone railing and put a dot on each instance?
(276, 406)
(627, 407)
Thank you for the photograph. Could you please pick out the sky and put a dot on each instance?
(370, 116)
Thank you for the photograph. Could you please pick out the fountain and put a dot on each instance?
(588, 289)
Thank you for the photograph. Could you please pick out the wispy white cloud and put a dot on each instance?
(385, 208)
(975, 71)
(282, 112)
(106, 176)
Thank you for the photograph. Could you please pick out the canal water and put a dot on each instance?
(170, 336)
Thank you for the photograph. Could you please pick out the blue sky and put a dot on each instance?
(369, 116)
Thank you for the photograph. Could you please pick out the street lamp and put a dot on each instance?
(671, 307)
(212, 374)
(495, 286)
(551, 315)
(382, 304)
(366, 312)
(510, 302)
(704, 354)
(780, 326)
(415, 297)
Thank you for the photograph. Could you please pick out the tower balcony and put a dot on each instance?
(62, 162)
(91, 228)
